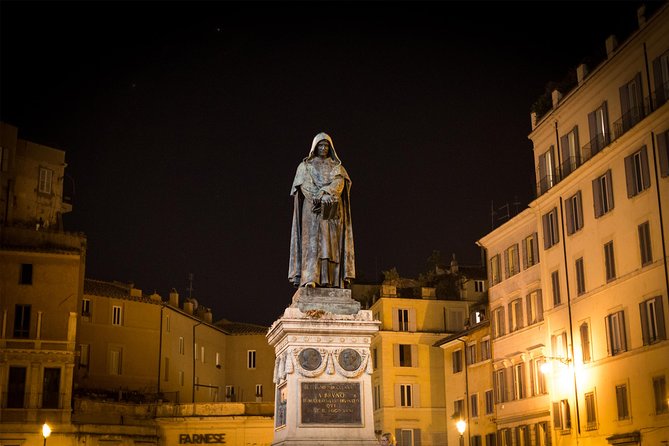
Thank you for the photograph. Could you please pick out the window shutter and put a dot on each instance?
(566, 160)
(557, 418)
(396, 355)
(605, 113)
(398, 437)
(592, 125)
(501, 321)
(414, 355)
(629, 176)
(645, 174)
(644, 323)
(415, 395)
(516, 260)
(547, 241)
(523, 249)
(540, 306)
(528, 306)
(396, 321)
(542, 173)
(623, 338)
(398, 399)
(609, 188)
(659, 82)
(508, 374)
(416, 437)
(510, 316)
(493, 325)
(569, 209)
(597, 198)
(577, 147)
(659, 311)
(535, 248)
(625, 103)
(663, 149)
(506, 263)
(412, 320)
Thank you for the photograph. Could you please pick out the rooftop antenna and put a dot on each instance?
(492, 215)
(516, 204)
(190, 285)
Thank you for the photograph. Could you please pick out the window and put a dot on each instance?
(403, 319)
(555, 287)
(571, 152)
(485, 349)
(258, 390)
(559, 345)
(471, 354)
(495, 276)
(477, 440)
(561, 415)
(181, 378)
(663, 149)
(457, 361)
(602, 193)
(86, 307)
(479, 286)
(45, 180)
(535, 307)
(574, 210)
(584, 331)
(181, 345)
(51, 388)
(645, 247)
(26, 275)
(621, 402)
(22, 321)
(538, 377)
(580, 276)
(251, 359)
(406, 391)
(500, 385)
(542, 434)
(547, 172)
(598, 123)
(408, 437)
(218, 360)
(459, 409)
(519, 381)
(230, 394)
(377, 396)
(115, 361)
(474, 405)
(16, 387)
(498, 322)
(530, 251)
(523, 436)
(652, 320)
(609, 261)
(511, 261)
(84, 354)
(631, 102)
(661, 78)
(515, 315)
(615, 333)
(636, 172)
(489, 402)
(491, 439)
(116, 315)
(406, 355)
(166, 371)
(375, 358)
(550, 225)
(505, 437)
(590, 411)
(660, 394)
(202, 354)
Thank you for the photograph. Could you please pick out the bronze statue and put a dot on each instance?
(321, 242)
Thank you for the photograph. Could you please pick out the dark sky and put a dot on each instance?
(184, 123)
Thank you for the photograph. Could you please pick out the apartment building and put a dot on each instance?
(601, 219)
(468, 385)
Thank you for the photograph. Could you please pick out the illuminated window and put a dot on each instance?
(511, 261)
(547, 172)
(530, 251)
(515, 315)
(645, 247)
(45, 180)
(86, 307)
(561, 415)
(574, 211)
(660, 394)
(519, 381)
(615, 333)
(602, 191)
(636, 172)
(251, 359)
(598, 123)
(621, 402)
(571, 153)
(652, 320)
(535, 307)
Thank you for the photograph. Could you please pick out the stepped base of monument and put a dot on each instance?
(327, 442)
(331, 300)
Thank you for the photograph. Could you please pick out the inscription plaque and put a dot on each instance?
(331, 403)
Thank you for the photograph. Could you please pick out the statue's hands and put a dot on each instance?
(327, 199)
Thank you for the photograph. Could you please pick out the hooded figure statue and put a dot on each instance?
(321, 240)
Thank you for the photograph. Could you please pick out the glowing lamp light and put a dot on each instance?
(46, 431)
(461, 425)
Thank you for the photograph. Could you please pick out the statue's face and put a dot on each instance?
(323, 148)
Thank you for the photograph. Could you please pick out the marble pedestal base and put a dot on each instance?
(323, 370)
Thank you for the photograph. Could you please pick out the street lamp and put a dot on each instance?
(461, 425)
(46, 431)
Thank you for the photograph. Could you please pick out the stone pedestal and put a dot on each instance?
(323, 370)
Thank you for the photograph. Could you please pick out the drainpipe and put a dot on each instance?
(469, 426)
(571, 327)
(160, 345)
(199, 323)
(558, 168)
(659, 209)
(650, 94)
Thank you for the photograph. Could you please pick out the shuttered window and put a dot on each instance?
(637, 173)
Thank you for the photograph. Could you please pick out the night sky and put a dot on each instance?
(183, 124)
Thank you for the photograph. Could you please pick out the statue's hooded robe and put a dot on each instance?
(321, 250)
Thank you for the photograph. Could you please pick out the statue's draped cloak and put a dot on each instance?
(321, 251)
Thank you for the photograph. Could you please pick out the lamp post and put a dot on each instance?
(46, 431)
(461, 425)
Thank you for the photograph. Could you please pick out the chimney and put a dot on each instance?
(454, 265)
(174, 298)
(581, 73)
(533, 120)
(156, 297)
(611, 45)
(208, 317)
(188, 306)
(641, 16)
(556, 96)
(135, 292)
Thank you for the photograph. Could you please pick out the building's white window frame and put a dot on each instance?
(551, 228)
(495, 270)
(250, 359)
(660, 395)
(561, 415)
(538, 377)
(259, 391)
(403, 319)
(602, 191)
(622, 402)
(511, 260)
(498, 323)
(515, 309)
(637, 172)
(86, 307)
(535, 307)
(470, 353)
(615, 333)
(645, 244)
(117, 315)
(479, 286)
(652, 320)
(45, 182)
(406, 395)
(499, 381)
(485, 348)
(519, 381)
(590, 410)
(456, 360)
(574, 213)
(530, 250)
(586, 344)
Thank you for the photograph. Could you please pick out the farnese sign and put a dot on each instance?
(201, 438)
(331, 403)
